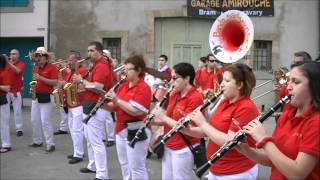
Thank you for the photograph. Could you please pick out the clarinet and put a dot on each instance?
(149, 118)
(183, 123)
(238, 137)
(101, 102)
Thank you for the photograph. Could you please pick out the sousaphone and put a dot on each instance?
(231, 36)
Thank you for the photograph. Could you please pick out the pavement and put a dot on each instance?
(27, 163)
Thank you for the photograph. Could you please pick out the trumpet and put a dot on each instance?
(102, 101)
(149, 118)
(238, 137)
(183, 123)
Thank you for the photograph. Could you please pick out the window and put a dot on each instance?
(14, 3)
(259, 56)
(114, 46)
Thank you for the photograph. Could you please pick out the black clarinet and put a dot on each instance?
(238, 137)
(149, 118)
(101, 102)
(183, 123)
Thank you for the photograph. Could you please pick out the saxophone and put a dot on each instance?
(33, 85)
(58, 92)
(72, 88)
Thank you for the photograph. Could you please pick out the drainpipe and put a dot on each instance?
(48, 30)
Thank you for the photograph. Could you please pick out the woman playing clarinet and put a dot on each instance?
(293, 150)
(234, 111)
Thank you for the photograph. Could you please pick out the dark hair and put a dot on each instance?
(306, 56)
(210, 55)
(138, 62)
(97, 44)
(203, 59)
(242, 73)
(164, 56)
(76, 54)
(311, 70)
(184, 70)
(3, 61)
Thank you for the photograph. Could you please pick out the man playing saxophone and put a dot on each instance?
(73, 102)
(46, 76)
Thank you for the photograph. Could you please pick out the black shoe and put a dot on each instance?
(75, 160)
(19, 133)
(60, 132)
(86, 170)
(51, 149)
(5, 149)
(110, 143)
(98, 179)
(70, 156)
(149, 154)
(35, 145)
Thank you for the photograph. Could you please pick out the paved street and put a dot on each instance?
(28, 163)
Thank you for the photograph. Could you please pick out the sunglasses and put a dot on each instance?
(211, 61)
(175, 77)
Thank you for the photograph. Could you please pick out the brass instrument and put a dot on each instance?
(280, 78)
(71, 89)
(59, 61)
(33, 85)
(58, 92)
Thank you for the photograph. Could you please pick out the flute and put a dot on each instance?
(149, 119)
(183, 123)
(238, 137)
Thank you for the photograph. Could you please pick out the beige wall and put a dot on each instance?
(33, 23)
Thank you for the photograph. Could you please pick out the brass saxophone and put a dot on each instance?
(33, 85)
(58, 92)
(72, 88)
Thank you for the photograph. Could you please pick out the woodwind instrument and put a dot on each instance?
(33, 85)
(102, 101)
(149, 118)
(57, 93)
(183, 123)
(237, 138)
(71, 88)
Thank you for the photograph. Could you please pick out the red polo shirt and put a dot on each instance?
(49, 71)
(298, 134)
(207, 80)
(68, 78)
(167, 72)
(179, 107)
(16, 79)
(100, 73)
(140, 93)
(243, 110)
(4, 79)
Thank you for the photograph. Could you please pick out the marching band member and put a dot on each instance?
(99, 77)
(235, 111)
(4, 106)
(177, 161)
(75, 111)
(46, 76)
(15, 71)
(293, 151)
(202, 66)
(131, 103)
(209, 78)
(110, 135)
(163, 66)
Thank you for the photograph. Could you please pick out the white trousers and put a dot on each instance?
(41, 118)
(177, 164)
(250, 174)
(94, 133)
(110, 136)
(16, 104)
(132, 160)
(63, 126)
(5, 131)
(76, 130)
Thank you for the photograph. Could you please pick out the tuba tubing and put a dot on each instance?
(149, 118)
(183, 123)
(238, 137)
